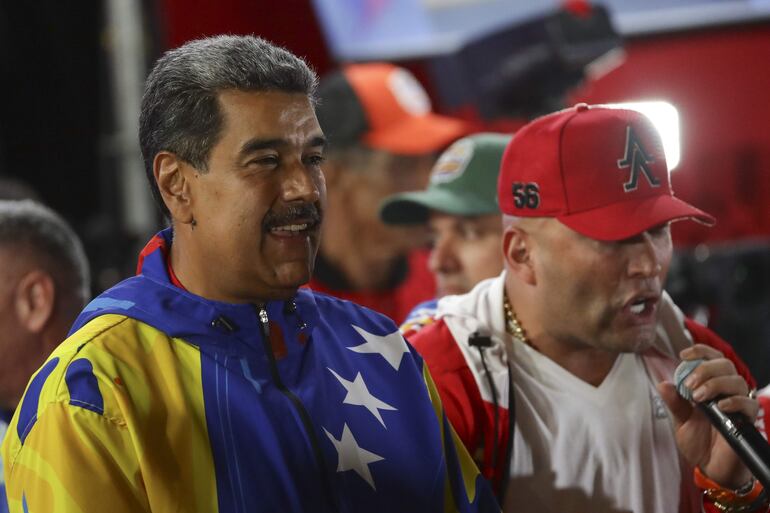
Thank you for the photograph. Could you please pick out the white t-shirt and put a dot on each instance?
(585, 449)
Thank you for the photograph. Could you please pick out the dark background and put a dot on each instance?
(57, 127)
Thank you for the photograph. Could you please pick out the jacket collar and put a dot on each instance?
(480, 309)
(151, 298)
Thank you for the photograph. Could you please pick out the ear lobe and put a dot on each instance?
(517, 250)
(34, 300)
(173, 186)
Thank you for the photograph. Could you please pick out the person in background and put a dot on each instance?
(383, 139)
(557, 375)
(459, 208)
(44, 283)
(211, 382)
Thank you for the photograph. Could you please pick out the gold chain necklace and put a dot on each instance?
(512, 324)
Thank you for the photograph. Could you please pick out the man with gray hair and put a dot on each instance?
(43, 285)
(210, 381)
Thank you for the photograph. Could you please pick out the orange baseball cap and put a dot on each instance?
(384, 107)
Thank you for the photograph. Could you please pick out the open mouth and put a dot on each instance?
(638, 306)
(642, 305)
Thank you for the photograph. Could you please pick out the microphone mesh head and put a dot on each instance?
(680, 374)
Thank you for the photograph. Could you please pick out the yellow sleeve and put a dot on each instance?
(465, 489)
(73, 460)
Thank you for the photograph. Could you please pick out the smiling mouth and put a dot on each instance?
(297, 220)
(290, 228)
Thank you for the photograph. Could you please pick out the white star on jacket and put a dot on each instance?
(391, 347)
(353, 457)
(358, 394)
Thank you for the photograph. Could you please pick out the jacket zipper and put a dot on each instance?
(307, 423)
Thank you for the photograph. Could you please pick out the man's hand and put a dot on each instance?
(698, 441)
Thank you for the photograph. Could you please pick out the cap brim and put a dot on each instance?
(418, 135)
(629, 218)
(415, 207)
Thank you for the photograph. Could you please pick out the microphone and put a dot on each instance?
(740, 433)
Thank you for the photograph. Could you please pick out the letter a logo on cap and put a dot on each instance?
(638, 160)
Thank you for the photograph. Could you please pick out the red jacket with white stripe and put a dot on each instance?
(464, 386)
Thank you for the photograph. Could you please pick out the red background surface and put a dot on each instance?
(718, 79)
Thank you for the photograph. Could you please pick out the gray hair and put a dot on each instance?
(38, 229)
(180, 111)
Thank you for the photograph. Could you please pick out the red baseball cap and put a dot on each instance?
(599, 170)
(383, 107)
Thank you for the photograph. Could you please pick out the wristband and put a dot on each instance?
(748, 497)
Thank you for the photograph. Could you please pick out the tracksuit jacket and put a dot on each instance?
(161, 400)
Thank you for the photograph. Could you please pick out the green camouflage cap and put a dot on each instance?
(463, 182)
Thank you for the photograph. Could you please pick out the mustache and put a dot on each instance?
(305, 212)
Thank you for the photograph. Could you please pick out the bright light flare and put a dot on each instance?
(665, 118)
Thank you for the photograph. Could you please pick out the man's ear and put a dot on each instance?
(34, 300)
(518, 248)
(173, 185)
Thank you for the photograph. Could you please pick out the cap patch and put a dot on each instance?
(638, 160)
(453, 162)
(408, 92)
(526, 195)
